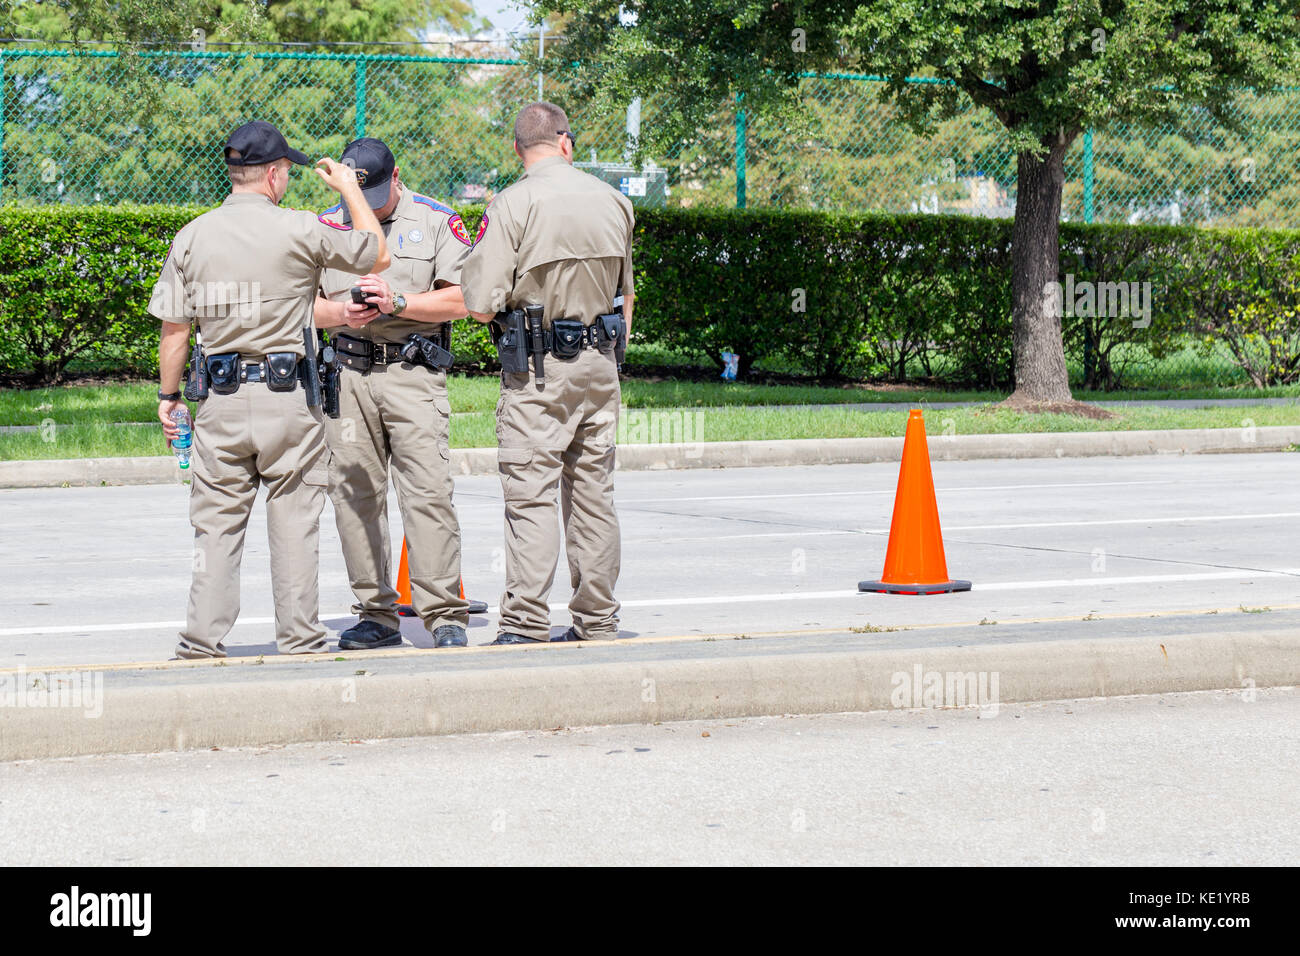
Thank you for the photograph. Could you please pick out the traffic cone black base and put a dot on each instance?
(880, 587)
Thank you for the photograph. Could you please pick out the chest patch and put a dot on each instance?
(415, 235)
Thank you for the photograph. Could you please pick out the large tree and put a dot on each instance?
(1047, 69)
(133, 22)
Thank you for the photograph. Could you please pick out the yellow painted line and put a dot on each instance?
(403, 652)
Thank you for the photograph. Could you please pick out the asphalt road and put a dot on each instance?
(1178, 779)
(100, 575)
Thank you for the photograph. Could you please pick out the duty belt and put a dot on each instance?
(588, 338)
(281, 371)
(252, 372)
(360, 354)
(363, 354)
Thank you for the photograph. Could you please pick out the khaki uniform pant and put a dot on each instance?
(254, 438)
(400, 413)
(558, 442)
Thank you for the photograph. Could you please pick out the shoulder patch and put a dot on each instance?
(457, 226)
(433, 204)
(333, 210)
(482, 227)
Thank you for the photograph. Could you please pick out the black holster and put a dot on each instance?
(329, 377)
(423, 350)
(511, 334)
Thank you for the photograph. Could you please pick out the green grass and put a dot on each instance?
(83, 404)
(477, 429)
(94, 440)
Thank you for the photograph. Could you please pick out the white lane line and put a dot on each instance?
(890, 491)
(1094, 581)
(971, 527)
(1137, 579)
(1097, 581)
(1112, 521)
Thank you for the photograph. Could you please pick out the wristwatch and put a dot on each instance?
(168, 396)
(399, 303)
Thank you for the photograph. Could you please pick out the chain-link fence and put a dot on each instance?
(71, 131)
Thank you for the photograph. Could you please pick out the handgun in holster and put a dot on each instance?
(511, 333)
(329, 376)
(197, 381)
(424, 350)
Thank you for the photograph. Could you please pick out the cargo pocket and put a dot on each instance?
(319, 475)
(513, 464)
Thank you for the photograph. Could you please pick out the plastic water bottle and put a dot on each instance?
(730, 366)
(182, 442)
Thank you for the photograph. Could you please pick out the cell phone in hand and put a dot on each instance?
(359, 295)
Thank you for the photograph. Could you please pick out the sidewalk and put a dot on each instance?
(55, 473)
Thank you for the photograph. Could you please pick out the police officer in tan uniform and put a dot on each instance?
(561, 240)
(247, 272)
(391, 407)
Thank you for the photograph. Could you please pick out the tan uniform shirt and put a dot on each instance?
(248, 271)
(427, 242)
(559, 238)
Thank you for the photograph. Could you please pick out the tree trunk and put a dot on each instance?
(1035, 261)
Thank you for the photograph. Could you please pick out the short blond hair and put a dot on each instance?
(249, 175)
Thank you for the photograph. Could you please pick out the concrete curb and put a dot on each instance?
(743, 454)
(272, 711)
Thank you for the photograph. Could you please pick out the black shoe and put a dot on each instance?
(367, 635)
(569, 635)
(515, 639)
(449, 635)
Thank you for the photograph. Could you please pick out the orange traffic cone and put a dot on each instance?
(914, 562)
(404, 608)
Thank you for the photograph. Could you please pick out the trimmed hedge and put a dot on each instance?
(75, 281)
(872, 296)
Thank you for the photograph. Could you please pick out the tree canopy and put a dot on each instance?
(127, 22)
(1047, 69)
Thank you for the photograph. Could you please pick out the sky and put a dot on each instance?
(507, 16)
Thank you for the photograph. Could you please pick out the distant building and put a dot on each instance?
(472, 193)
(985, 197)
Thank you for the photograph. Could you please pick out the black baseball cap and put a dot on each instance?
(259, 142)
(374, 164)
